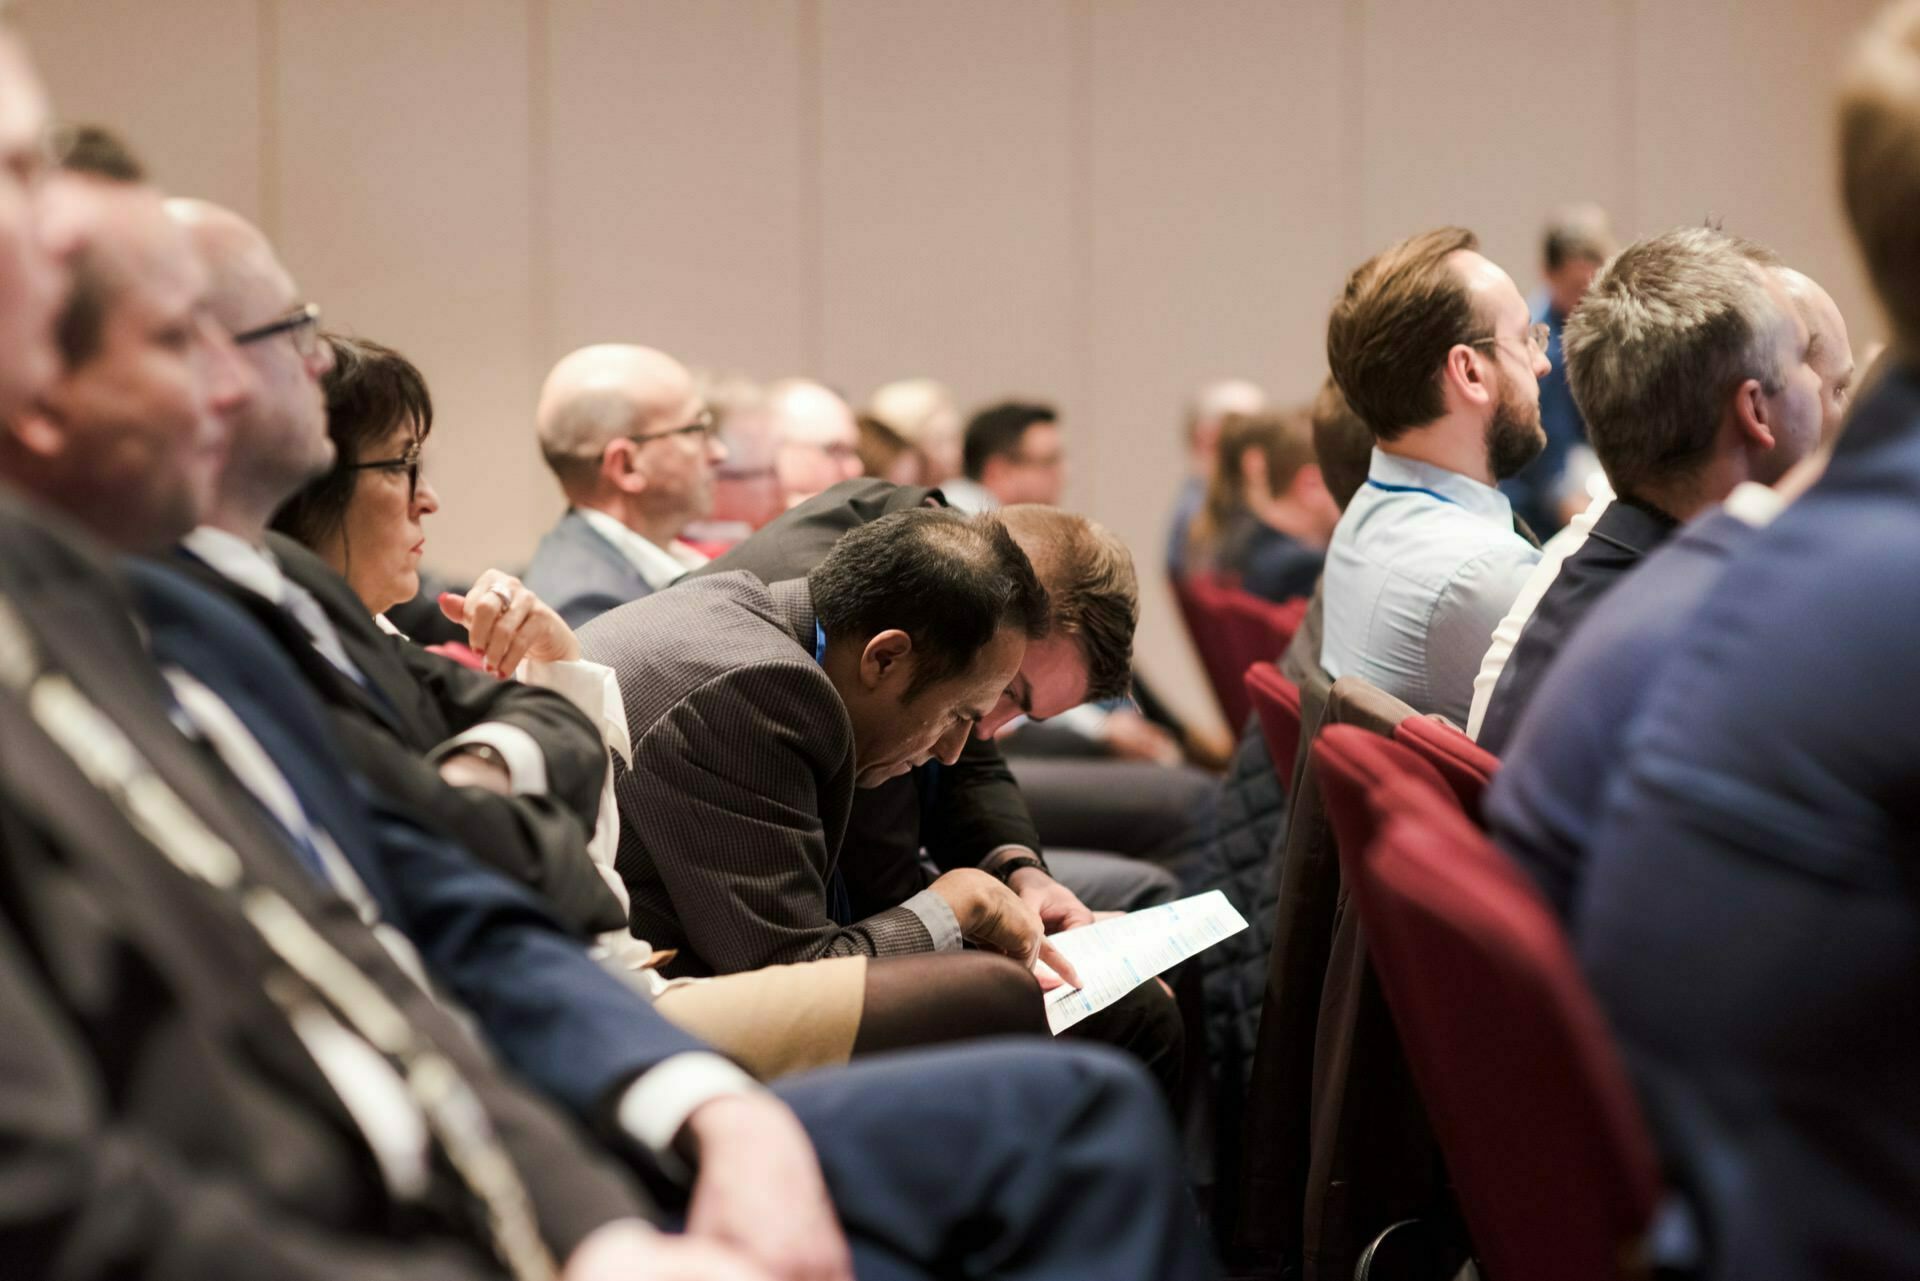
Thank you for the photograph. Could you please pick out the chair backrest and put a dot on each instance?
(1464, 764)
(1350, 763)
(1555, 1172)
(1276, 701)
(1231, 629)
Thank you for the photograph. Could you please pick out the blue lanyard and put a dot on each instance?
(839, 900)
(1410, 489)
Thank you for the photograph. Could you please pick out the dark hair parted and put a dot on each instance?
(949, 581)
(996, 431)
(1400, 314)
(370, 390)
(1092, 593)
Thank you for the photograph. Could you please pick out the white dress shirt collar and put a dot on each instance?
(659, 565)
(234, 558)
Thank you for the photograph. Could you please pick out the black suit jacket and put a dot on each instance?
(415, 701)
(160, 1116)
(961, 812)
(1624, 535)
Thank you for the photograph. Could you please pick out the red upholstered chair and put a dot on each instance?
(1276, 701)
(1550, 1157)
(1467, 766)
(1230, 630)
(1349, 763)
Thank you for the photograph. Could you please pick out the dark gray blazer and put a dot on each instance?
(581, 574)
(734, 807)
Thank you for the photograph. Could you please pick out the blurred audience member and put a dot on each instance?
(1268, 515)
(923, 412)
(1342, 444)
(746, 487)
(1748, 916)
(887, 455)
(819, 438)
(1209, 409)
(1703, 364)
(633, 445)
(1433, 347)
(1012, 455)
(1578, 240)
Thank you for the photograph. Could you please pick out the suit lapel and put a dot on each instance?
(631, 585)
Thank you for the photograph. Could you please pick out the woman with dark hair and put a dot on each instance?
(365, 516)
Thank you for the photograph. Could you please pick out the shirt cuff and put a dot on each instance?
(526, 763)
(591, 687)
(595, 690)
(659, 1101)
(942, 925)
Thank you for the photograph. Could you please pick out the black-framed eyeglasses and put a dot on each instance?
(302, 325)
(408, 462)
(702, 426)
(1538, 336)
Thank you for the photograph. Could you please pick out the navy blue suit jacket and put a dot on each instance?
(581, 574)
(1545, 799)
(1751, 913)
(560, 1020)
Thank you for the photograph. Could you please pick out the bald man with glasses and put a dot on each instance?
(629, 437)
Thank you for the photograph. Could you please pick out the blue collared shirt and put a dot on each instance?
(1422, 567)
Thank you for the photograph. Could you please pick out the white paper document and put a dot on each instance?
(1114, 957)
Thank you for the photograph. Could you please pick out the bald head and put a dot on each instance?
(280, 439)
(819, 439)
(599, 394)
(1829, 351)
(625, 430)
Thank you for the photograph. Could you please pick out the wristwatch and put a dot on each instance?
(1008, 867)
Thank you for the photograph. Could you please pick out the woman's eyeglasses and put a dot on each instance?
(301, 325)
(408, 462)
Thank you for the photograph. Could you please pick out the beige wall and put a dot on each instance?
(1099, 201)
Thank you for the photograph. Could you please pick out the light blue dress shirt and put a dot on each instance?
(1423, 566)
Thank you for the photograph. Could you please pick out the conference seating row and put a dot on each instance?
(1434, 1082)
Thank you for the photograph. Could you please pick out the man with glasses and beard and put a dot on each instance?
(1434, 348)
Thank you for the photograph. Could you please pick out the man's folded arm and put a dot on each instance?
(533, 840)
(551, 746)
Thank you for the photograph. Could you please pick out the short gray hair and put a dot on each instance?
(1670, 327)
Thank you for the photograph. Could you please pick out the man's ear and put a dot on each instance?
(37, 431)
(887, 659)
(1751, 415)
(1464, 376)
(617, 471)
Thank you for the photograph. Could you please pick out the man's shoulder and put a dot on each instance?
(712, 624)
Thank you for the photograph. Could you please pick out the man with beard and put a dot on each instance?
(1434, 348)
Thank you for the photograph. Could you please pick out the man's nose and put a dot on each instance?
(948, 748)
(230, 380)
(996, 720)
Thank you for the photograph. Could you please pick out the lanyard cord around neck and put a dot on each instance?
(319, 978)
(1411, 489)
